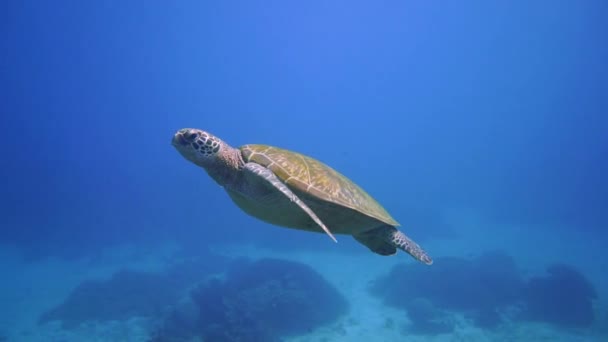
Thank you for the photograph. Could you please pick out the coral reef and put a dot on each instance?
(486, 287)
(180, 324)
(130, 293)
(262, 301)
(478, 287)
(563, 297)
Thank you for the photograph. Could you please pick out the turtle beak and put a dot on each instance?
(179, 140)
(184, 137)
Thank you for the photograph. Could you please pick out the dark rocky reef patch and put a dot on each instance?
(487, 289)
(477, 287)
(563, 297)
(261, 300)
(130, 293)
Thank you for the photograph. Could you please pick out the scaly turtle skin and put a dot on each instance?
(292, 190)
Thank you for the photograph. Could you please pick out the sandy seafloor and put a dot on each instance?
(27, 290)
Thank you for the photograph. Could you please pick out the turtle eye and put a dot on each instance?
(181, 140)
(191, 135)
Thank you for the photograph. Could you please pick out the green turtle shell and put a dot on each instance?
(320, 181)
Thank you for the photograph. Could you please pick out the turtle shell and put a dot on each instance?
(318, 180)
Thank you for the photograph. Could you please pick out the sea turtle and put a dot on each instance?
(292, 190)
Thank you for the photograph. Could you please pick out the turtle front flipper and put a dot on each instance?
(260, 173)
(384, 241)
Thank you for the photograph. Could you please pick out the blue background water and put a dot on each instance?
(496, 107)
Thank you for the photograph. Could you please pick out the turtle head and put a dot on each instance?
(197, 146)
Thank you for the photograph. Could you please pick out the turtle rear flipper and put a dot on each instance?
(376, 243)
(386, 239)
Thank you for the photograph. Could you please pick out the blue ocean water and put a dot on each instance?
(480, 126)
